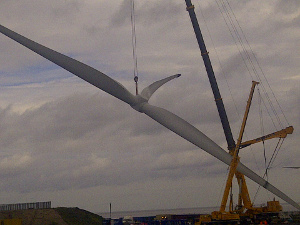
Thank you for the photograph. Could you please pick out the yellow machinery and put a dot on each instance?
(244, 202)
(11, 222)
(244, 207)
(279, 134)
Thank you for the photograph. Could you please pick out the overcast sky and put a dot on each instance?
(65, 141)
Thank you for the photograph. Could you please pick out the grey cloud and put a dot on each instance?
(66, 7)
(64, 146)
(234, 66)
(123, 14)
(149, 13)
(292, 6)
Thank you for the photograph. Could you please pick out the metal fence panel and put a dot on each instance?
(22, 206)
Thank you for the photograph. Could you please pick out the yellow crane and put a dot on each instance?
(278, 134)
(244, 195)
(244, 201)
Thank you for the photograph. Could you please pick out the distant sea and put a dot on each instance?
(142, 213)
(199, 210)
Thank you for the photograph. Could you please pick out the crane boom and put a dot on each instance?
(235, 159)
(211, 76)
(278, 134)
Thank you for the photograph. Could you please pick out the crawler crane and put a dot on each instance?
(245, 207)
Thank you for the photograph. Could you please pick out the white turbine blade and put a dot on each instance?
(193, 135)
(79, 69)
(262, 182)
(149, 91)
(186, 130)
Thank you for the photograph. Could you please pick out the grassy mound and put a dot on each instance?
(76, 216)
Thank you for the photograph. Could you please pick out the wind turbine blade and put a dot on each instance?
(162, 116)
(292, 167)
(186, 130)
(79, 69)
(149, 91)
(193, 135)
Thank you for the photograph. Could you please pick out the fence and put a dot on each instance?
(21, 206)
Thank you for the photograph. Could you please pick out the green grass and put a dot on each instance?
(76, 216)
